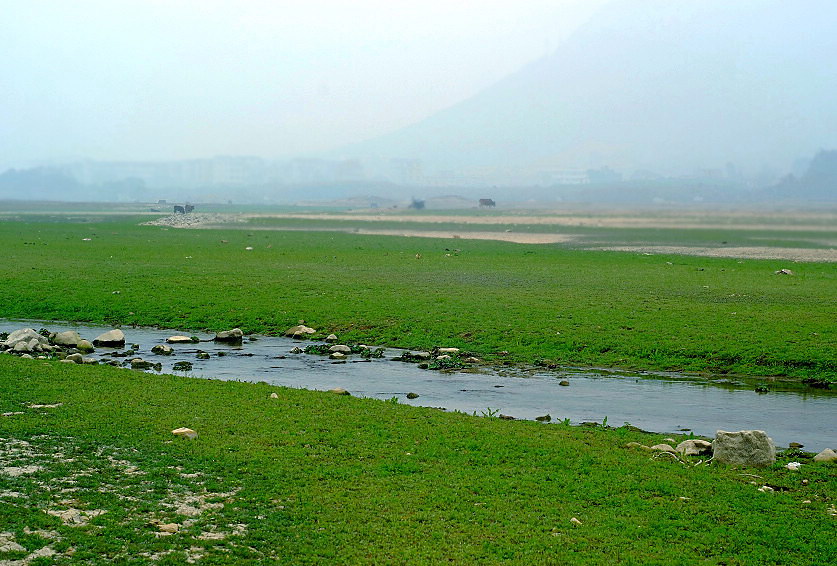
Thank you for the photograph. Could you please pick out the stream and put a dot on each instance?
(666, 403)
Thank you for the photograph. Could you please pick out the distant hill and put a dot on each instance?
(664, 85)
(819, 182)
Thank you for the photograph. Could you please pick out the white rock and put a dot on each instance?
(694, 447)
(179, 339)
(24, 335)
(184, 432)
(793, 466)
(110, 338)
(663, 448)
(299, 329)
(68, 338)
(827, 455)
(343, 349)
(448, 350)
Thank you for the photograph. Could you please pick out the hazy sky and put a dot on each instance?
(171, 79)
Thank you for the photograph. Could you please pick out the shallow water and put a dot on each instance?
(664, 404)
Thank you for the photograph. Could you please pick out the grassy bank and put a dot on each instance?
(318, 478)
(540, 303)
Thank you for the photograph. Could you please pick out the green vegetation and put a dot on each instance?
(538, 302)
(318, 478)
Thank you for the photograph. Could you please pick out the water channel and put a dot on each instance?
(654, 402)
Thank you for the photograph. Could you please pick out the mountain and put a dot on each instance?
(669, 86)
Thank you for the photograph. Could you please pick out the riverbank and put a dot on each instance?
(508, 303)
(664, 403)
(92, 472)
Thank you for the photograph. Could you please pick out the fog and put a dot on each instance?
(260, 95)
(143, 80)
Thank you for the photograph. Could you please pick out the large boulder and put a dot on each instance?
(24, 335)
(342, 348)
(233, 336)
(112, 338)
(744, 448)
(67, 338)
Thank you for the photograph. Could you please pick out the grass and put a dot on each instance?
(317, 478)
(538, 302)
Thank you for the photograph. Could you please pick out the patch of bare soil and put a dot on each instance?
(807, 221)
(791, 254)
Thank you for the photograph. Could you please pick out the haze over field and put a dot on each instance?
(621, 95)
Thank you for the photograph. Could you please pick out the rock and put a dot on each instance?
(202, 356)
(75, 358)
(22, 347)
(694, 447)
(162, 350)
(793, 466)
(472, 360)
(27, 357)
(233, 336)
(168, 528)
(68, 338)
(506, 417)
(663, 448)
(179, 339)
(448, 350)
(443, 357)
(89, 361)
(564, 383)
(299, 331)
(337, 356)
(274, 396)
(331, 338)
(544, 419)
(339, 391)
(796, 445)
(139, 363)
(744, 448)
(111, 339)
(84, 346)
(827, 455)
(784, 272)
(184, 432)
(24, 335)
(343, 349)
(296, 350)
(412, 395)
(182, 366)
(576, 522)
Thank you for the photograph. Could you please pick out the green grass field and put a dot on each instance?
(543, 304)
(313, 478)
(96, 477)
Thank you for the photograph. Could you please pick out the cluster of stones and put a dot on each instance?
(749, 448)
(68, 346)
